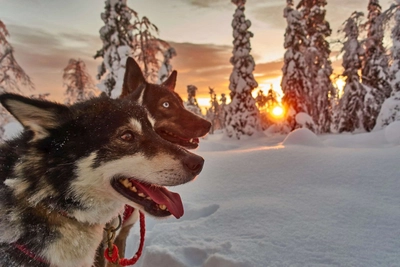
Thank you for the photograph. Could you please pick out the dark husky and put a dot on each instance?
(170, 120)
(73, 169)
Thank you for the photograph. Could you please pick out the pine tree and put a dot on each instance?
(147, 48)
(242, 118)
(192, 104)
(390, 110)
(294, 84)
(351, 104)
(213, 113)
(375, 71)
(79, 84)
(117, 38)
(319, 66)
(222, 110)
(166, 67)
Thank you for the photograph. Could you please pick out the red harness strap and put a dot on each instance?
(125, 262)
(128, 212)
(29, 253)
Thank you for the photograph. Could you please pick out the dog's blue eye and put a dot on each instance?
(165, 104)
(127, 136)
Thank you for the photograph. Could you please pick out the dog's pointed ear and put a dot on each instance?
(171, 81)
(133, 77)
(39, 116)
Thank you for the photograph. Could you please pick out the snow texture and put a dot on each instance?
(303, 137)
(298, 203)
(392, 133)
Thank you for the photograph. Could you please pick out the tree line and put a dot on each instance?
(369, 100)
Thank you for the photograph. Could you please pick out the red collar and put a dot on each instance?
(29, 253)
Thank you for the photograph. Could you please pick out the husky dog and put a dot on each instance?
(73, 169)
(170, 120)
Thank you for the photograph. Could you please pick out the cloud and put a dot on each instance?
(269, 12)
(207, 65)
(206, 3)
(202, 65)
(43, 55)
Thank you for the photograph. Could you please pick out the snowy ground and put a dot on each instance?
(331, 200)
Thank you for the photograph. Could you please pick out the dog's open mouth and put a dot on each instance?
(156, 200)
(180, 140)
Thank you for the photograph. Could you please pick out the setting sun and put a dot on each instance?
(277, 111)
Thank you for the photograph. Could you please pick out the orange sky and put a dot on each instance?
(47, 33)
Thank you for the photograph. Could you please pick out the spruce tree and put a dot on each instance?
(242, 118)
(375, 71)
(351, 104)
(390, 110)
(166, 67)
(79, 84)
(192, 104)
(117, 38)
(294, 84)
(319, 66)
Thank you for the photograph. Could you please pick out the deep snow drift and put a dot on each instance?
(301, 201)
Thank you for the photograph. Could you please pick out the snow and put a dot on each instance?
(275, 200)
(303, 137)
(12, 130)
(300, 200)
(392, 133)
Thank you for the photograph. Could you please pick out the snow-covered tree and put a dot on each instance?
(166, 67)
(242, 118)
(213, 113)
(117, 38)
(390, 110)
(222, 110)
(191, 103)
(375, 71)
(351, 104)
(148, 49)
(319, 66)
(294, 84)
(80, 85)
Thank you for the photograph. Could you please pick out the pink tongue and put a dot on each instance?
(162, 196)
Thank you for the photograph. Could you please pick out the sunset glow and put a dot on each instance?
(277, 111)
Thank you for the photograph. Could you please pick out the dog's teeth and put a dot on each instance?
(149, 198)
(191, 140)
(126, 183)
(162, 207)
(141, 195)
(133, 188)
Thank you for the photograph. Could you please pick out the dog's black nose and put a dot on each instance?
(193, 163)
(207, 126)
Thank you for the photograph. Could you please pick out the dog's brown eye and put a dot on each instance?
(127, 136)
(165, 104)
